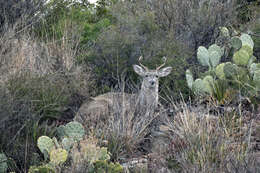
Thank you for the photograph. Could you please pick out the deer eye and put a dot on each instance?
(146, 75)
(156, 76)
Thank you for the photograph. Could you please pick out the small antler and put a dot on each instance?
(140, 59)
(164, 61)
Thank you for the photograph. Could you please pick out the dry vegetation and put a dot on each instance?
(45, 79)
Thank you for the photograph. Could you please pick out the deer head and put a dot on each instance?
(149, 90)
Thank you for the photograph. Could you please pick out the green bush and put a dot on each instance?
(131, 35)
(47, 96)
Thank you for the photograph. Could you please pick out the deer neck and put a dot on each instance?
(149, 96)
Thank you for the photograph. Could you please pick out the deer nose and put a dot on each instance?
(152, 82)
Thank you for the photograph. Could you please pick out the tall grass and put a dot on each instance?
(202, 142)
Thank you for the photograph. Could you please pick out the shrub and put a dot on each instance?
(119, 45)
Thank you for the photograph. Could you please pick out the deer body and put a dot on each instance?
(146, 99)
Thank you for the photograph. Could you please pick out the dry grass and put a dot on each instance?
(201, 142)
(37, 78)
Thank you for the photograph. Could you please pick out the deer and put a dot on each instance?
(147, 98)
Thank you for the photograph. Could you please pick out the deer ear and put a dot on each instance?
(164, 72)
(139, 70)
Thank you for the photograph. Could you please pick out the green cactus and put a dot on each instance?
(67, 143)
(236, 42)
(189, 78)
(247, 40)
(203, 56)
(256, 79)
(3, 163)
(230, 70)
(241, 74)
(224, 31)
(74, 130)
(208, 84)
(58, 156)
(105, 166)
(241, 57)
(61, 131)
(248, 49)
(215, 54)
(103, 154)
(251, 61)
(220, 71)
(45, 144)
(254, 67)
(48, 168)
(198, 87)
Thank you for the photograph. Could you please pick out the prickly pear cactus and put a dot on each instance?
(189, 78)
(203, 56)
(3, 163)
(248, 49)
(67, 143)
(247, 40)
(215, 54)
(251, 61)
(230, 70)
(254, 67)
(42, 169)
(241, 57)
(103, 154)
(220, 71)
(61, 131)
(45, 144)
(74, 130)
(105, 166)
(208, 84)
(224, 31)
(198, 87)
(236, 42)
(256, 79)
(58, 156)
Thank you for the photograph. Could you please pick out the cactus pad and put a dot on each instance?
(45, 144)
(220, 71)
(236, 42)
(224, 31)
(75, 130)
(215, 54)
(241, 57)
(215, 47)
(58, 156)
(230, 70)
(256, 77)
(41, 169)
(67, 143)
(3, 163)
(247, 40)
(208, 83)
(198, 87)
(251, 61)
(61, 131)
(254, 67)
(189, 78)
(248, 49)
(203, 56)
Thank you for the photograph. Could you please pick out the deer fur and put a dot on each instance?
(96, 110)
